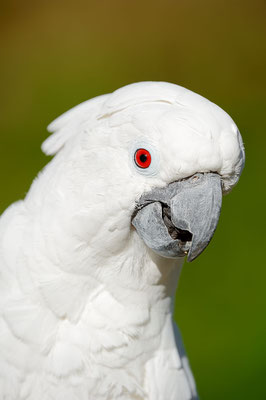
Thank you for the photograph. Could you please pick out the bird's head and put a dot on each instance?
(152, 158)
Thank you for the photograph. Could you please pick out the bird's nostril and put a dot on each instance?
(175, 232)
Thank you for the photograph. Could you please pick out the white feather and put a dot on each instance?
(85, 307)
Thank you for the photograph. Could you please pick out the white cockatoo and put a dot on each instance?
(89, 261)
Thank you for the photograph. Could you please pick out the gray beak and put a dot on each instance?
(181, 218)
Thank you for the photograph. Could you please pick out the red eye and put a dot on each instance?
(143, 158)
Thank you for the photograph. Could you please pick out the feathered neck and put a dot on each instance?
(133, 276)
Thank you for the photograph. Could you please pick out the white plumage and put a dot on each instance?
(85, 305)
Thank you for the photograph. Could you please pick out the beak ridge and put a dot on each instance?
(196, 209)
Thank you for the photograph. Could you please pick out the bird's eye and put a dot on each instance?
(142, 158)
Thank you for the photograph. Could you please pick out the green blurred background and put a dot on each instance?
(56, 54)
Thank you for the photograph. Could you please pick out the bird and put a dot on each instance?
(90, 259)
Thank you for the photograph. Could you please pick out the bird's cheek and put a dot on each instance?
(113, 234)
(116, 241)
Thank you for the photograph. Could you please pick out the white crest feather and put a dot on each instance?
(65, 126)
